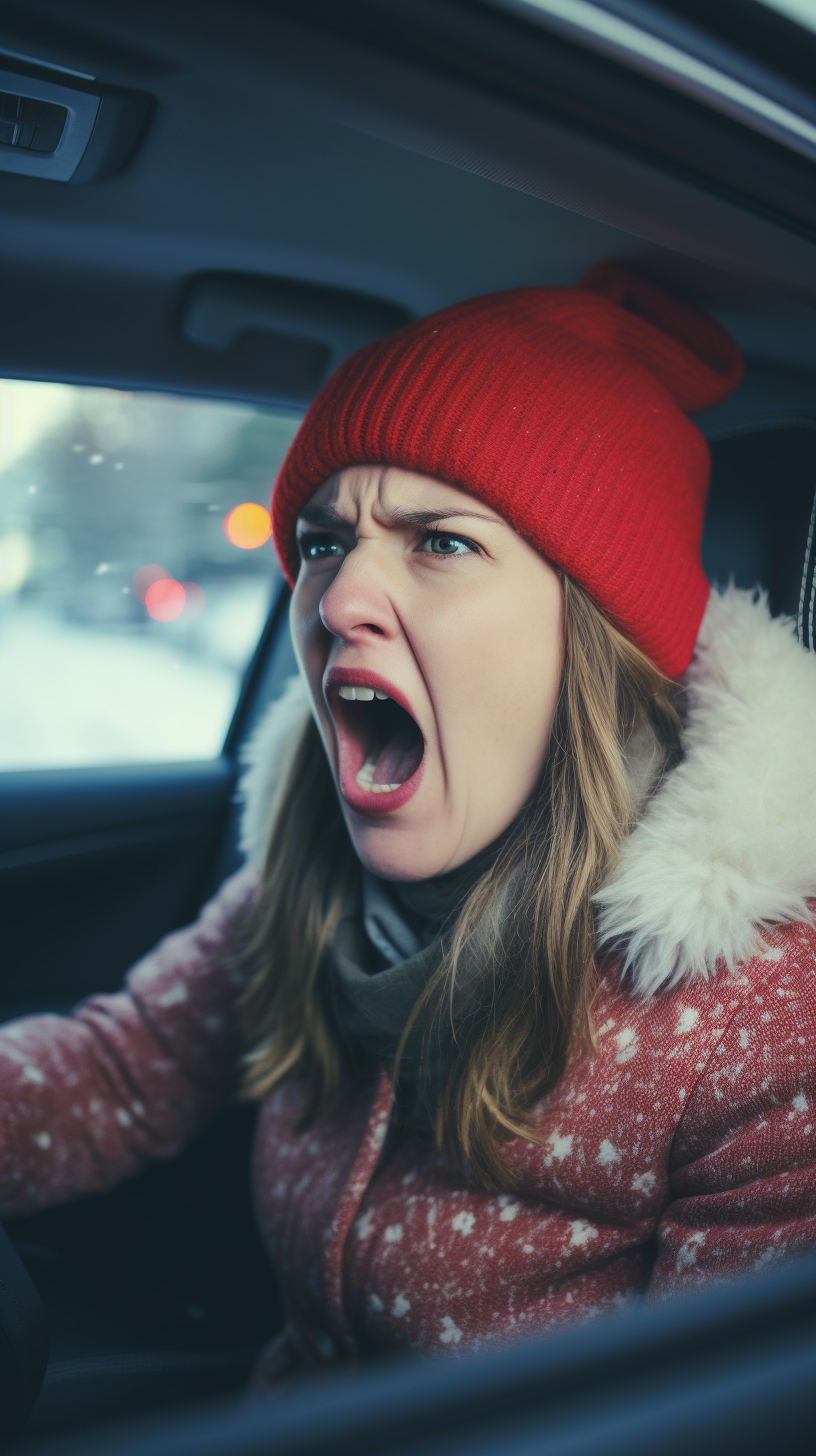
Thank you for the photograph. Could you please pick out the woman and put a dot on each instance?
(522, 971)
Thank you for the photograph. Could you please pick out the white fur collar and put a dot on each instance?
(726, 846)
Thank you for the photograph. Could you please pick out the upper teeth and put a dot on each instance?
(360, 695)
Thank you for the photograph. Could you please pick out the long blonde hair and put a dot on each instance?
(524, 936)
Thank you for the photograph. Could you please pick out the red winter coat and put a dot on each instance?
(683, 1149)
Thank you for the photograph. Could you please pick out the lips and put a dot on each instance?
(379, 742)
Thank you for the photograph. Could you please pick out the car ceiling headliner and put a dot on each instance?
(276, 150)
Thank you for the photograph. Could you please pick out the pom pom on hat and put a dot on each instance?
(689, 352)
(564, 409)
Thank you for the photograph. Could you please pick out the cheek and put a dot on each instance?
(532, 674)
(307, 632)
(305, 625)
(498, 665)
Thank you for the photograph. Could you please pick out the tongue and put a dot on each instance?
(400, 757)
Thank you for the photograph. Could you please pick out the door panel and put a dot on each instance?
(96, 865)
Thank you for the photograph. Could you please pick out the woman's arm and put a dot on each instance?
(90, 1098)
(744, 1159)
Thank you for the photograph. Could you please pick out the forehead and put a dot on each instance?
(388, 488)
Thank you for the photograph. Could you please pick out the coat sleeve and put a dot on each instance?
(743, 1169)
(89, 1099)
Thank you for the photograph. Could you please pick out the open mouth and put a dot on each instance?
(380, 745)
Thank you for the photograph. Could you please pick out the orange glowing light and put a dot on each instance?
(248, 526)
(144, 577)
(165, 599)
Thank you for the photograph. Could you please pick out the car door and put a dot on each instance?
(122, 514)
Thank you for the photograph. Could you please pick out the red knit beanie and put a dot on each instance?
(563, 408)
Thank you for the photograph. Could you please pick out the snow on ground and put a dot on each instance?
(74, 695)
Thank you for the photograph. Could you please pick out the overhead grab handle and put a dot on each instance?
(221, 307)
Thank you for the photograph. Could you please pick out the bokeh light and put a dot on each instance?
(144, 577)
(164, 599)
(196, 599)
(248, 526)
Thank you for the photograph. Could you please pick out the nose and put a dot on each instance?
(357, 605)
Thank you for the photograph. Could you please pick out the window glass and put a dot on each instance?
(802, 11)
(136, 571)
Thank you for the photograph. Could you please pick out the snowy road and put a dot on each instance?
(75, 695)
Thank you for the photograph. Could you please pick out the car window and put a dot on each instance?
(136, 571)
(802, 11)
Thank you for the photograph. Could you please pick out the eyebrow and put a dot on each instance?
(330, 516)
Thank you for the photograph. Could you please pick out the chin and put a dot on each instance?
(388, 855)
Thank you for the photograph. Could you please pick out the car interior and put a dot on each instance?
(205, 209)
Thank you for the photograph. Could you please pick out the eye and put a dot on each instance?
(443, 543)
(319, 546)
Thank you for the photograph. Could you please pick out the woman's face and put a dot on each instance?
(431, 636)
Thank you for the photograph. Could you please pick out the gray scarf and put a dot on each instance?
(388, 943)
